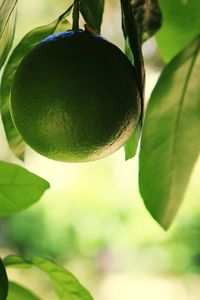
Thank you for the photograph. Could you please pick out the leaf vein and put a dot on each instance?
(176, 129)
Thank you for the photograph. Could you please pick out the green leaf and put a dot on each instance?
(92, 11)
(3, 282)
(131, 145)
(15, 141)
(170, 142)
(16, 261)
(19, 188)
(134, 53)
(7, 27)
(18, 292)
(133, 45)
(181, 23)
(65, 284)
(148, 17)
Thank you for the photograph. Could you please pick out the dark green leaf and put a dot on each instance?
(134, 52)
(19, 188)
(148, 17)
(170, 142)
(133, 44)
(17, 292)
(92, 11)
(27, 43)
(7, 27)
(65, 284)
(3, 282)
(131, 145)
(181, 23)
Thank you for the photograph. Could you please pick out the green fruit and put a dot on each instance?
(74, 97)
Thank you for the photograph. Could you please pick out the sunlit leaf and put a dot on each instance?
(16, 261)
(7, 27)
(131, 145)
(3, 282)
(19, 188)
(92, 11)
(148, 17)
(170, 142)
(15, 141)
(65, 284)
(18, 292)
(181, 23)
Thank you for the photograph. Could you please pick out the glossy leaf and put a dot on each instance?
(170, 142)
(65, 284)
(3, 282)
(15, 141)
(92, 11)
(19, 188)
(7, 27)
(18, 292)
(181, 23)
(148, 17)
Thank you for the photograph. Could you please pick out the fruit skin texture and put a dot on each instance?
(74, 97)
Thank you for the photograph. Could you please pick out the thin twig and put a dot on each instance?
(75, 15)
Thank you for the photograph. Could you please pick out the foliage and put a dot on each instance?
(170, 130)
(17, 183)
(3, 282)
(65, 284)
(7, 27)
(181, 25)
(26, 44)
(92, 12)
(17, 291)
(167, 138)
(148, 17)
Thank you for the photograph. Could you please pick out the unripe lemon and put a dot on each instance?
(74, 97)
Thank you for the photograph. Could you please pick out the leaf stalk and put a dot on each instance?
(75, 15)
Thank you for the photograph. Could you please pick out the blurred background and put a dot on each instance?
(93, 220)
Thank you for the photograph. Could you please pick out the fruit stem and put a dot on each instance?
(75, 15)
